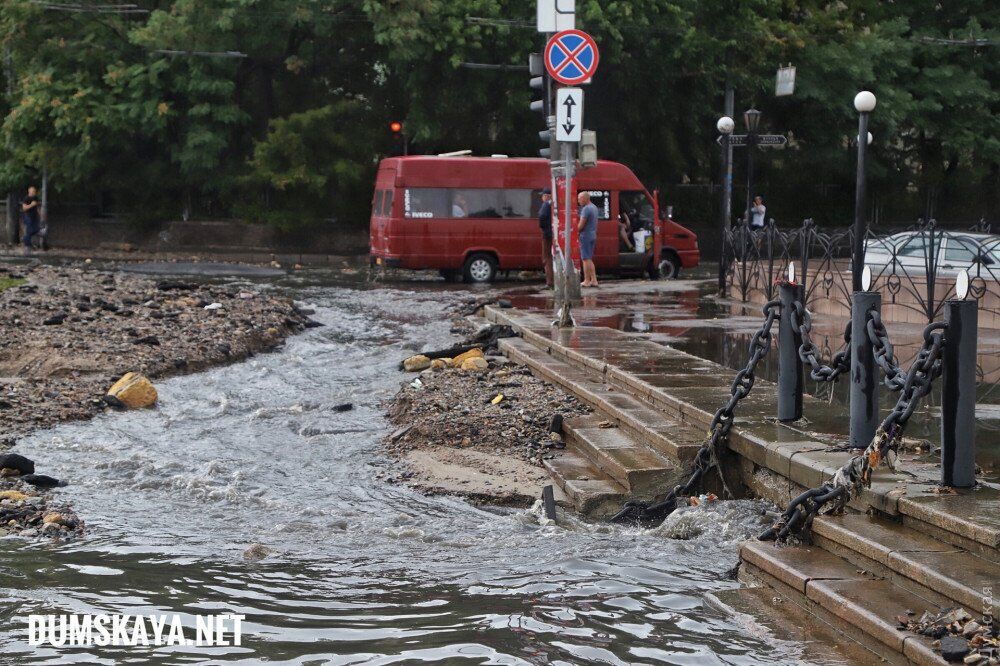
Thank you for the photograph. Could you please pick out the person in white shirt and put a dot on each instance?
(757, 211)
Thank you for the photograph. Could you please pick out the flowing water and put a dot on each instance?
(362, 571)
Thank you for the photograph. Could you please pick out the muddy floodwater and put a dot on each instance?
(361, 571)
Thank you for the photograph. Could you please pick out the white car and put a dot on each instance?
(907, 252)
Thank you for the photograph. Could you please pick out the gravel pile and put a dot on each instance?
(67, 334)
(957, 635)
(503, 410)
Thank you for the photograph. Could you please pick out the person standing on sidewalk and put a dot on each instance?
(757, 212)
(31, 213)
(545, 224)
(587, 229)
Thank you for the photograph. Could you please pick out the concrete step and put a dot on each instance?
(806, 638)
(649, 426)
(592, 492)
(639, 469)
(650, 411)
(861, 604)
(911, 559)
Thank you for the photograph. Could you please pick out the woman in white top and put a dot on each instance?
(758, 210)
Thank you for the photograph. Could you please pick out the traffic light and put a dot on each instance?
(541, 82)
(588, 149)
(398, 138)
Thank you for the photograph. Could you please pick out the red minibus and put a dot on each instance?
(479, 215)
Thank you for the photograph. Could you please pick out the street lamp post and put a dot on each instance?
(864, 103)
(725, 127)
(751, 119)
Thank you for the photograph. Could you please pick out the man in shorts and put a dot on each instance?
(587, 229)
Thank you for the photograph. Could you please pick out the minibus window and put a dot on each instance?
(476, 203)
(601, 199)
(518, 203)
(377, 204)
(638, 208)
(387, 204)
(424, 202)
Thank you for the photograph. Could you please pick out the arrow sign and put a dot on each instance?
(569, 114)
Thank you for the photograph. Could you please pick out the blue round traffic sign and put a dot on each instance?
(571, 57)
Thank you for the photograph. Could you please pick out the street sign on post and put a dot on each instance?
(784, 83)
(737, 140)
(556, 15)
(571, 57)
(569, 114)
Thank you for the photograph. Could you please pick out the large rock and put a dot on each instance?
(133, 391)
(462, 358)
(416, 363)
(475, 364)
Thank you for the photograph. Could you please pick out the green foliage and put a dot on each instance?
(7, 282)
(291, 133)
(314, 163)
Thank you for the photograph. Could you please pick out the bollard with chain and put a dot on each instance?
(856, 473)
(958, 397)
(790, 380)
(722, 423)
(864, 374)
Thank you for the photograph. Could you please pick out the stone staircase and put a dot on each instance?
(900, 552)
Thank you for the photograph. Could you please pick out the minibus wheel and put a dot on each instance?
(480, 268)
(668, 268)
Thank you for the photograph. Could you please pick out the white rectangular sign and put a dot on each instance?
(556, 15)
(569, 114)
(784, 83)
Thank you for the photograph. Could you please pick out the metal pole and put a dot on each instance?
(858, 256)
(790, 378)
(569, 273)
(751, 141)
(864, 374)
(727, 193)
(958, 398)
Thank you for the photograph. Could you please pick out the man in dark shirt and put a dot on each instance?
(31, 212)
(545, 223)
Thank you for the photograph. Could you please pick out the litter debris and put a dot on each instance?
(497, 400)
(214, 306)
(957, 635)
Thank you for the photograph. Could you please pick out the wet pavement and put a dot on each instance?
(362, 571)
(686, 315)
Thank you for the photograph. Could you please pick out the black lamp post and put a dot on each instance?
(751, 119)
(864, 103)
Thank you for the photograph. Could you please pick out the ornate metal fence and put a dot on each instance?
(915, 269)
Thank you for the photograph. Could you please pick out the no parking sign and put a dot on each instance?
(571, 57)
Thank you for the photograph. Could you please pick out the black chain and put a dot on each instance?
(722, 423)
(857, 471)
(885, 357)
(841, 362)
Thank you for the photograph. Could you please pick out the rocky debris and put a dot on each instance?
(26, 512)
(481, 342)
(132, 391)
(457, 410)
(959, 637)
(114, 323)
